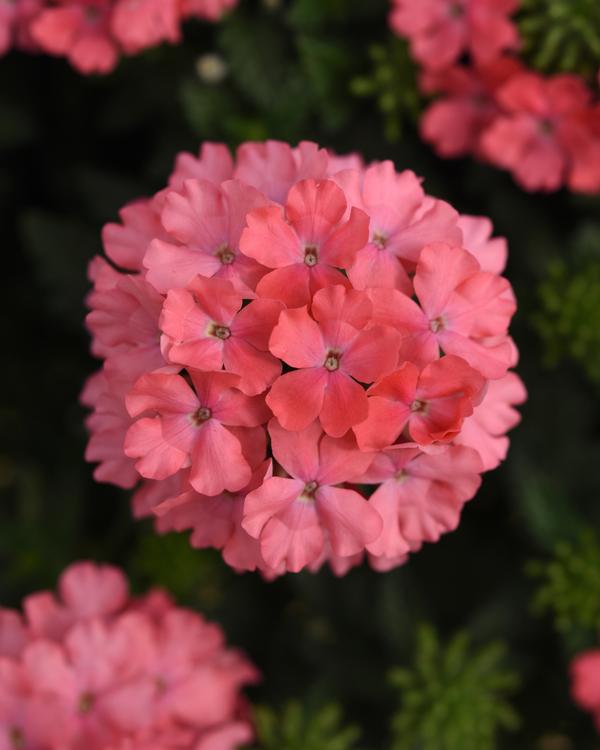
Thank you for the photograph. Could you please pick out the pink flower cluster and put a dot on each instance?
(92, 34)
(545, 130)
(305, 359)
(585, 682)
(92, 669)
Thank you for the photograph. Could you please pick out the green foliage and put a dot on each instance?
(297, 728)
(170, 562)
(561, 35)
(569, 583)
(392, 84)
(568, 320)
(454, 697)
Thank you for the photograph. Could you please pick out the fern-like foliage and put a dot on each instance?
(569, 583)
(561, 35)
(297, 728)
(568, 320)
(454, 697)
(391, 83)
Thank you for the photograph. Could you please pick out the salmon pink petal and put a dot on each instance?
(297, 452)
(374, 267)
(337, 302)
(296, 398)
(271, 498)
(196, 216)
(217, 461)
(217, 298)
(236, 409)
(162, 393)
(257, 369)
(491, 253)
(126, 243)
(156, 458)
(322, 276)
(384, 424)
(373, 353)
(340, 460)
(214, 163)
(291, 285)
(293, 538)
(210, 386)
(491, 361)
(297, 339)
(440, 270)
(171, 266)
(270, 240)
(344, 404)
(255, 322)
(349, 519)
(437, 221)
(201, 354)
(390, 542)
(315, 209)
(341, 246)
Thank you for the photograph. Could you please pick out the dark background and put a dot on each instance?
(74, 149)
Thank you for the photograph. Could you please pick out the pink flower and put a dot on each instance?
(544, 135)
(79, 31)
(491, 252)
(331, 353)
(455, 122)
(420, 496)
(105, 393)
(213, 163)
(290, 516)
(440, 31)
(301, 284)
(403, 221)
(191, 428)
(217, 521)
(139, 24)
(126, 243)
(206, 328)
(207, 220)
(118, 673)
(306, 243)
(124, 316)
(274, 168)
(431, 404)
(465, 312)
(585, 682)
(486, 430)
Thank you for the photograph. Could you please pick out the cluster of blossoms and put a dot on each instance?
(305, 359)
(92, 34)
(545, 130)
(93, 669)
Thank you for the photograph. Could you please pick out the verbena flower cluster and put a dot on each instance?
(93, 669)
(585, 683)
(544, 129)
(93, 34)
(305, 359)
